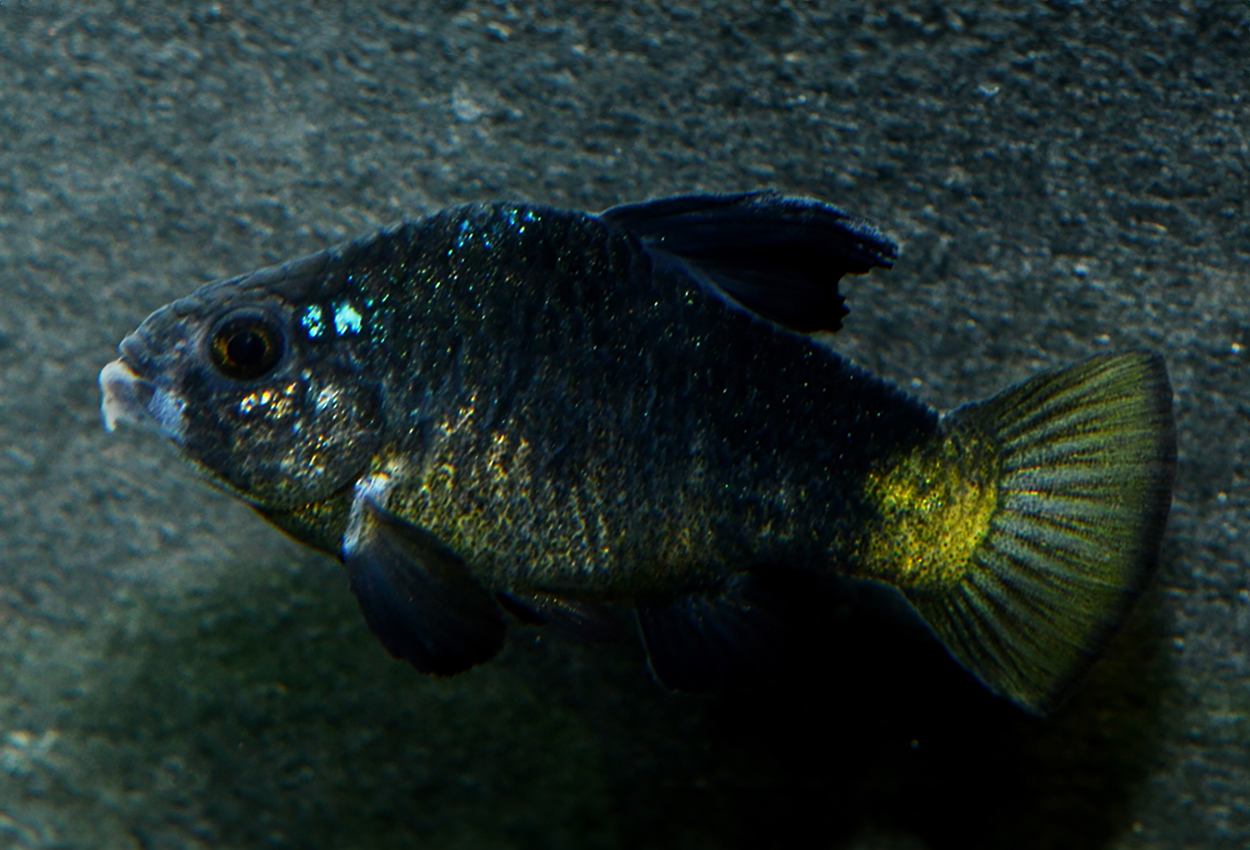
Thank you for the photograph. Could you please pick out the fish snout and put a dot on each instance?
(124, 396)
(126, 389)
(137, 353)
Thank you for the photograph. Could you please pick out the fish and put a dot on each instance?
(507, 410)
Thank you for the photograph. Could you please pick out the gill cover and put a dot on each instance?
(250, 398)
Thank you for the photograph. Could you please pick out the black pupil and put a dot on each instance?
(247, 349)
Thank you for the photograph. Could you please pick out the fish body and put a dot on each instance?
(507, 407)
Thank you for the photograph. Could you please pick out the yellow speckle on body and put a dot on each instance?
(933, 508)
(497, 459)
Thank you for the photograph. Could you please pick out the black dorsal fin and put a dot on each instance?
(779, 257)
(416, 594)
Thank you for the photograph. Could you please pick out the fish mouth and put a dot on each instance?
(125, 395)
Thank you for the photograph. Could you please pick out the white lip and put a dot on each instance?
(120, 402)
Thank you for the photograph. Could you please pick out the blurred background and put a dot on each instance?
(1064, 177)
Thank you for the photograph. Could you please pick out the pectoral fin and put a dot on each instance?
(416, 594)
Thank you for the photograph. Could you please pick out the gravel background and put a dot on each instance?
(1065, 177)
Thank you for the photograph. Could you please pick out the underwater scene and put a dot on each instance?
(613, 425)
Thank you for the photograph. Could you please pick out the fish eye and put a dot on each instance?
(246, 347)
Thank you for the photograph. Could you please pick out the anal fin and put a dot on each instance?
(709, 641)
(415, 593)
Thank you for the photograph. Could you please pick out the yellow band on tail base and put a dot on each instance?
(933, 508)
(1025, 589)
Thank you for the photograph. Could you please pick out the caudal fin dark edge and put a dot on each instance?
(1087, 456)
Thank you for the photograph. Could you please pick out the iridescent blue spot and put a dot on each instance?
(312, 322)
(346, 319)
(465, 235)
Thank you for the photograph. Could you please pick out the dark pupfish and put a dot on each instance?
(506, 408)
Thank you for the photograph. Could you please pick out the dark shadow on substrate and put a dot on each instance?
(265, 714)
(884, 732)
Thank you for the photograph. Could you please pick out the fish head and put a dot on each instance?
(232, 375)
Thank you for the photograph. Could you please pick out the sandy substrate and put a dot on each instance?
(1064, 177)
